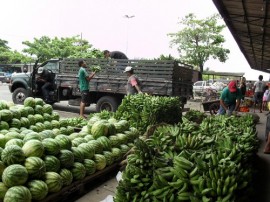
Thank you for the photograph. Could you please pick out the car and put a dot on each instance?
(3, 77)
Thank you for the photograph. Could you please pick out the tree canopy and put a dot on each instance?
(199, 40)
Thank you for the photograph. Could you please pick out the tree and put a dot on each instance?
(199, 40)
(3, 44)
(46, 48)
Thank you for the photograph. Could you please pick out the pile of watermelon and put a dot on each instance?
(40, 153)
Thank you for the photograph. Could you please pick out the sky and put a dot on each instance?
(103, 24)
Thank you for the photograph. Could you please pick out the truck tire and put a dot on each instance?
(19, 95)
(107, 103)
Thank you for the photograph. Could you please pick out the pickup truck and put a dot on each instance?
(107, 88)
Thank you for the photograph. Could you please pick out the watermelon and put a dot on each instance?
(55, 116)
(31, 119)
(117, 154)
(124, 149)
(4, 125)
(2, 168)
(38, 189)
(66, 158)
(35, 167)
(6, 115)
(52, 163)
(88, 150)
(40, 126)
(77, 141)
(67, 176)
(48, 125)
(47, 117)
(78, 154)
(122, 138)
(112, 120)
(38, 109)
(23, 111)
(99, 128)
(3, 190)
(82, 134)
(46, 134)
(25, 122)
(12, 154)
(53, 181)
(55, 124)
(89, 138)
(64, 141)
(39, 118)
(15, 141)
(78, 171)
(13, 129)
(39, 101)
(31, 136)
(97, 146)
(121, 126)
(56, 131)
(63, 130)
(90, 166)
(30, 110)
(63, 122)
(14, 175)
(51, 146)
(15, 123)
(33, 148)
(106, 143)
(47, 109)
(18, 194)
(73, 136)
(3, 104)
(34, 128)
(25, 132)
(3, 141)
(100, 161)
(109, 157)
(70, 130)
(29, 102)
(111, 129)
(13, 134)
(15, 112)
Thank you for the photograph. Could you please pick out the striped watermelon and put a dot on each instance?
(4, 125)
(117, 154)
(38, 189)
(25, 122)
(3, 140)
(15, 141)
(6, 115)
(87, 149)
(66, 158)
(77, 141)
(35, 167)
(39, 118)
(55, 124)
(53, 181)
(109, 157)
(38, 109)
(47, 117)
(64, 141)
(3, 190)
(31, 119)
(31, 136)
(78, 171)
(90, 166)
(124, 149)
(30, 110)
(47, 109)
(13, 134)
(51, 146)
(15, 123)
(2, 168)
(52, 163)
(12, 154)
(16, 113)
(97, 146)
(48, 125)
(33, 148)
(100, 161)
(78, 154)
(106, 143)
(67, 176)
(39, 101)
(18, 194)
(14, 175)
(88, 138)
(29, 102)
(55, 116)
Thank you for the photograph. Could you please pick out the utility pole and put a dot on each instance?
(128, 17)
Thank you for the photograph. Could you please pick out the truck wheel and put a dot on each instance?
(107, 103)
(19, 95)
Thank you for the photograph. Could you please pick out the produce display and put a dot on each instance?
(41, 153)
(211, 161)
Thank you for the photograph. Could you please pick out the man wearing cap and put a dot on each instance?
(114, 55)
(133, 86)
(230, 99)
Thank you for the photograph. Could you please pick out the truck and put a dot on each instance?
(108, 87)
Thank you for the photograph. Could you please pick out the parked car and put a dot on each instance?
(3, 77)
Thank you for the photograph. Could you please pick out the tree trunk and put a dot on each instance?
(201, 71)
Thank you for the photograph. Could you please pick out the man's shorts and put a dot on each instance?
(85, 97)
(258, 96)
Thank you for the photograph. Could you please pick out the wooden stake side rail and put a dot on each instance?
(80, 187)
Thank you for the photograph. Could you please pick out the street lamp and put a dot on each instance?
(128, 17)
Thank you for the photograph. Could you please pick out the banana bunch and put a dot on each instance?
(188, 141)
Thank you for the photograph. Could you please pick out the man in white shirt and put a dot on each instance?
(258, 89)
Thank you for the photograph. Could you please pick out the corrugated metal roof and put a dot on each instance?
(249, 23)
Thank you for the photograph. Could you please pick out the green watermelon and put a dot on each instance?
(47, 109)
(18, 194)
(14, 175)
(64, 141)
(48, 125)
(13, 129)
(46, 134)
(51, 146)
(52, 163)
(112, 120)
(40, 126)
(25, 122)
(77, 141)
(25, 132)
(38, 109)
(3, 141)
(78, 154)
(13, 134)
(55, 124)
(2, 168)
(78, 171)
(39, 118)
(63, 130)
(121, 126)
(33, 148)
(15, 141)
(3, 104)
(99, 128)
(124, 149)
(67, 176)
(56, 131)
(117, 154)
(4, 125)
(3, 190)
(47, 117)
(35, 167)
(23, 111)
(109, 157)
(89, 138)
(88, 150)
(34, 128)
(6, 115)
(106, 143)
(12, 154)
(55, 116)
(53, 181)
(66, 158)
(63, 122)
(30, 110)
(31, 136)
(122, 138)
(97, 146)
(15, 112)
(100, 161)
(70, 130)
(90, 166)
(39, 101)
(31, 119)
(29, 102)
(111, 129)
(38, 189)
(15, 123)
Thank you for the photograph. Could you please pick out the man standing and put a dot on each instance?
(84, 79)
(45, 80)
(258, 89)
(114, 55)
(230, 99)
(133, 86)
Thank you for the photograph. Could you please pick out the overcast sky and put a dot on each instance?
(103, 24)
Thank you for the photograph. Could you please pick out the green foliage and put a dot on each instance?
(199, 40)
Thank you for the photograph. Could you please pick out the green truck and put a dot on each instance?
(107, 88)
